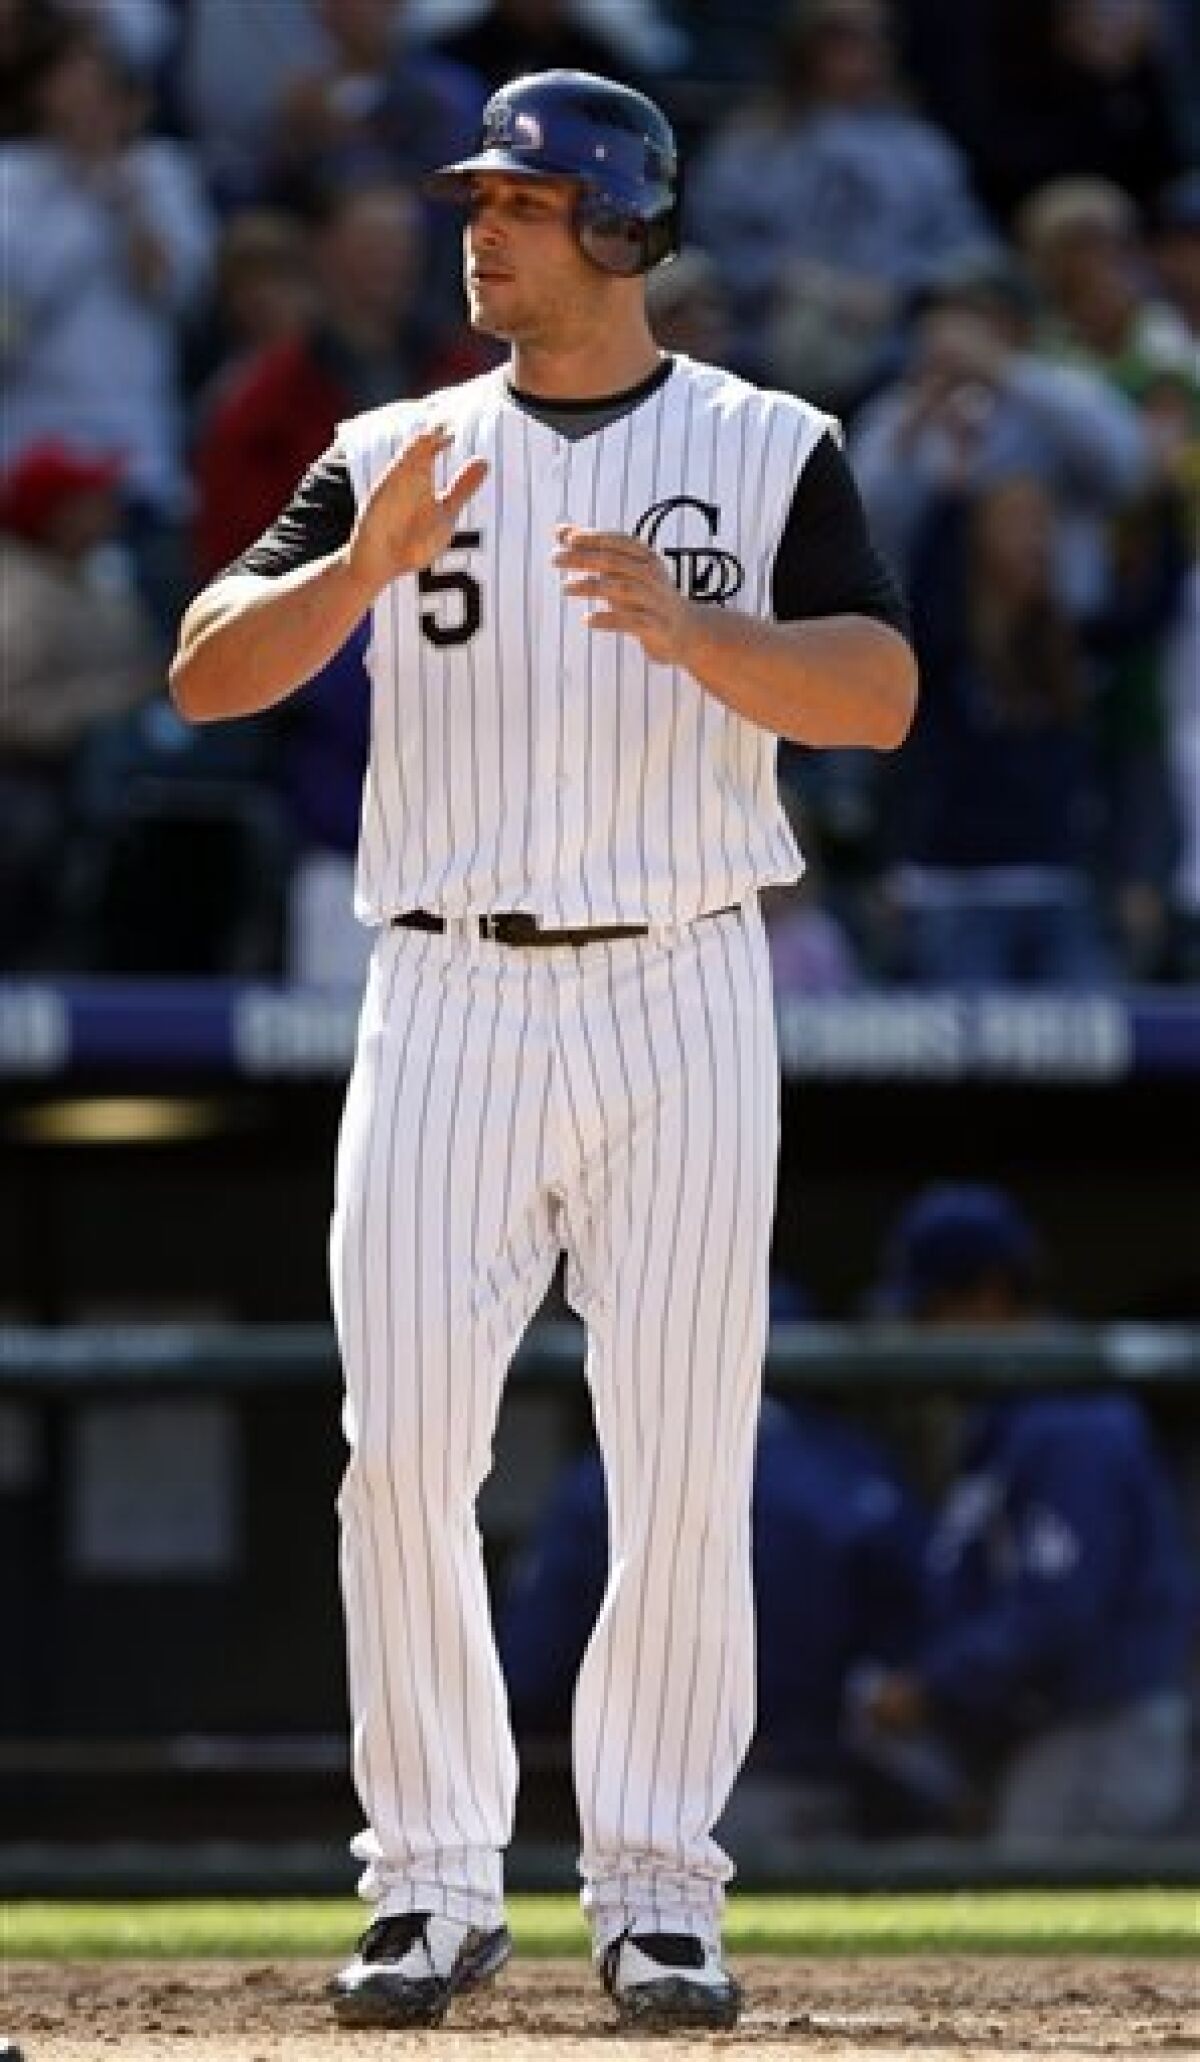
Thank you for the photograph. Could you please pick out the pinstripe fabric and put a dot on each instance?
(619, 1102)
(534, 765)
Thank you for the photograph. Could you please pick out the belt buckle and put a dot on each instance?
(510, 927)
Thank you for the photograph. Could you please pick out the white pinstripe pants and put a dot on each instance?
(620, 1102)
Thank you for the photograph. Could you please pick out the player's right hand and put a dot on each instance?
(406, 522)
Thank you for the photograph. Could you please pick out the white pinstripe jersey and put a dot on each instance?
(520, 761)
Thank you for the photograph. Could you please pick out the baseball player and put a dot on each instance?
(601, 583)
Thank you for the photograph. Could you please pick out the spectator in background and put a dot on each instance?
(235, 61)
(141, 32)
(78, 649)
(369, 103)
(106, 243)
(262, 293)
(510, 37)
(838, 1540)
(368, 339)
(979, 399)
(995, 809)
(1083, 244)
(1083, 239)
(1077, 86)
(825, 203)
(372, 107)
(1060, 1604)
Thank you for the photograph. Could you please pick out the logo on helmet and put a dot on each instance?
(515, 127)
(701, 571)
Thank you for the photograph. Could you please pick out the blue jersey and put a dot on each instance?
(1059, 1582)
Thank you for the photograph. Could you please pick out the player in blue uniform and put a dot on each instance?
(1060, 1597)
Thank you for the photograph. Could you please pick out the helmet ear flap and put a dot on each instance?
(618, 240)
(612, 239)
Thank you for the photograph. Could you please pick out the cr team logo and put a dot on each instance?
(701, 571)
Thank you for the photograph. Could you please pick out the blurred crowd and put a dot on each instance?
(972, 232)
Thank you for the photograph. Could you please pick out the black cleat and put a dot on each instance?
(409, 1967)
(662, 1981)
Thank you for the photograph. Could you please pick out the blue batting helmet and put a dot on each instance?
(613, 141)
(948, 1239)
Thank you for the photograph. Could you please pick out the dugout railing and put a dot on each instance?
(178, 1724)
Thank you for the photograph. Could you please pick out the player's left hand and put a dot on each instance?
(631, 586)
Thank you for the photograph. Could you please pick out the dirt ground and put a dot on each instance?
(541, 2011)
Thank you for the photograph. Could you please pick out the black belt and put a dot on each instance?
(517, 927)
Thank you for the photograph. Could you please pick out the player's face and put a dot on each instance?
(526, 278)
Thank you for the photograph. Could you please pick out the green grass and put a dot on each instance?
(1160, 1922)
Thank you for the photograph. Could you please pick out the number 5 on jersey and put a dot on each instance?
(458, 609)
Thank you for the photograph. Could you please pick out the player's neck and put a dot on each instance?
(590, 370)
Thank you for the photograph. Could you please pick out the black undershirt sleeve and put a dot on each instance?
(826, 564)
(317, 520)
